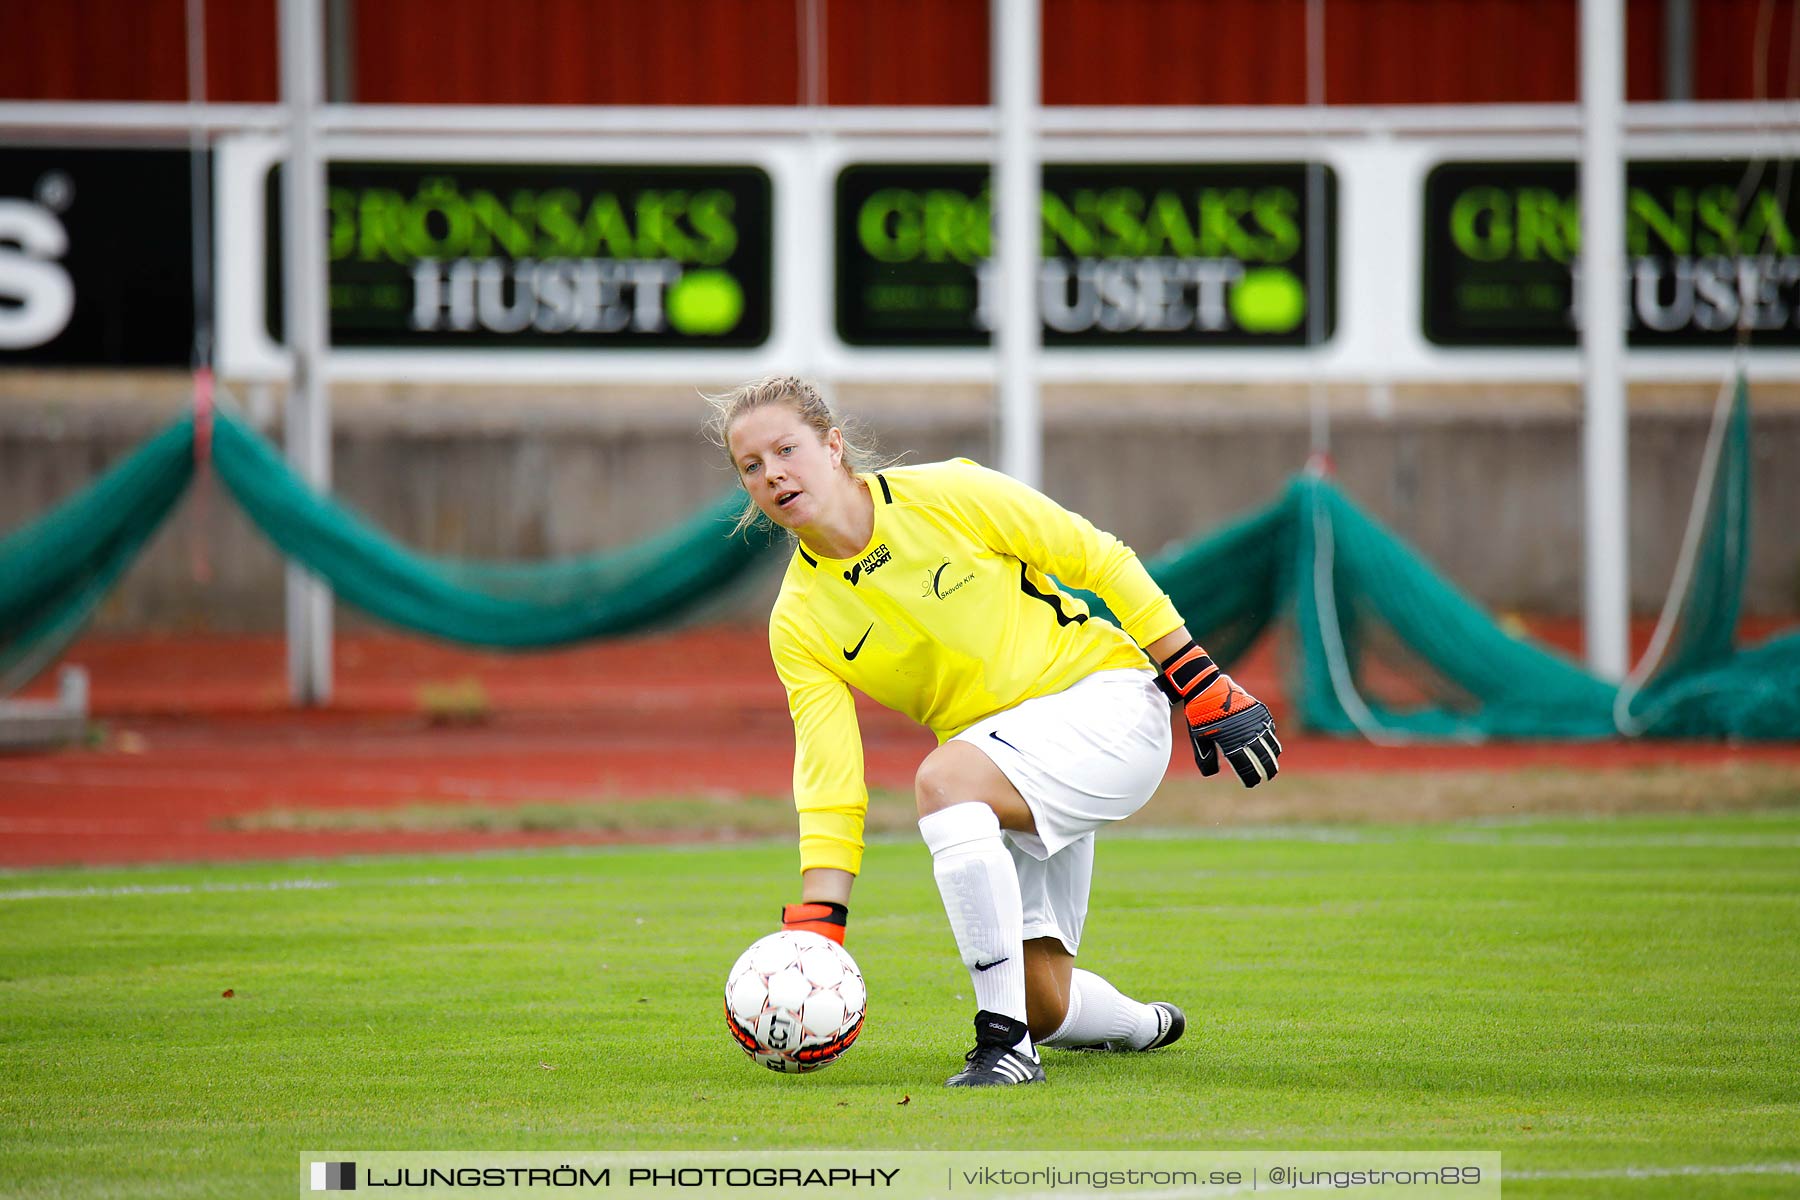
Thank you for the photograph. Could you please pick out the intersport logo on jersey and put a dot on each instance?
(870, 563)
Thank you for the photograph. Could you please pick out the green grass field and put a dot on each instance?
(1601, 1000)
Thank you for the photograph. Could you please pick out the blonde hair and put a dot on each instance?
(808, 405)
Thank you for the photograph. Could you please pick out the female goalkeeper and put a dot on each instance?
(929, 589)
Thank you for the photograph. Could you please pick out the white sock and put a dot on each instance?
(1099, 1012)
(980, 889)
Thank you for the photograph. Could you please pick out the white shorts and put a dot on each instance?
(1084, 757)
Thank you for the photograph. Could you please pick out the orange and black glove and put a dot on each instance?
(823, 917)
(1223, 719)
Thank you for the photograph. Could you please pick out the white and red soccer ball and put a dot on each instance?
(795, 1001)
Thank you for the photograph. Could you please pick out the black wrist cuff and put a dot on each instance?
(828, 911)
(1188, 670)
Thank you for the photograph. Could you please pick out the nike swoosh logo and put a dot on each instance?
(1004, 742)
(992, 965)
(850, 655)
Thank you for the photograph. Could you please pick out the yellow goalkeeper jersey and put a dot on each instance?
(948, 615)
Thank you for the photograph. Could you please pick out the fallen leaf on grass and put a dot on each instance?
(903, 1100)
(228, 993)
(546, 1066)
(462, 702)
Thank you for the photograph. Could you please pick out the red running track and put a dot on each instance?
(198, 729)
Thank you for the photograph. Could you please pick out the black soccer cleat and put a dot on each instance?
(993, 1062)
(1171, 1023)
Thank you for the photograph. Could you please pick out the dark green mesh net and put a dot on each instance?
(504, 605)
(1379, 643)
(55, 571)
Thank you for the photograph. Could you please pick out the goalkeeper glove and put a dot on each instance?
(817, 916)
(1222, 717)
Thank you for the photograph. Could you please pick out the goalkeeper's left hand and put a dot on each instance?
(1223, 719)
(823, 917)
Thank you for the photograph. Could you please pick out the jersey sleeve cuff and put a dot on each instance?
(1154, 620)
(832, 838)
(817, 851)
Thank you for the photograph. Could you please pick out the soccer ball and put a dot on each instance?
(794, 1001)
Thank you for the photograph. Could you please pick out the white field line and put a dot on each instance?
(1462, 836)
(1780, 1168)
(166, 889)
(234, 781)
(284, 885)
(1774, 1168)
(1717, 840)
(1329, 835)
(1321, 834)
(78, 825)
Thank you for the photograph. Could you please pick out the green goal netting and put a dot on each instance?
(512, 606)
(55, 571)
(1378, 643)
